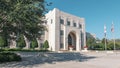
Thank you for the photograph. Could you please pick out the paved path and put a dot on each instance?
(66, 60)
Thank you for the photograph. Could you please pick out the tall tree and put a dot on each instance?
(90, 40)
(22, 17)
(103, 41)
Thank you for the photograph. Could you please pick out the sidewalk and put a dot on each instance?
(66, 60)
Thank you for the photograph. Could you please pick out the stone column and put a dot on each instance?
(84, 36)
(78, 43)
(65, 34)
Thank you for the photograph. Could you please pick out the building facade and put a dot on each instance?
(65, 31)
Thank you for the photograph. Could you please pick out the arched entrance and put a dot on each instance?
(71, 41)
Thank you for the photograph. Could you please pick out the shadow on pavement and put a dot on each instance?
(34, 58)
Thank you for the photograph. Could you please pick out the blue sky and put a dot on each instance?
(96, 14)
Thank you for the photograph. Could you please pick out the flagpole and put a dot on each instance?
(114, 42)
(105, 36)
(105, 42)
(112, 30)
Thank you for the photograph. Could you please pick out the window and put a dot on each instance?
(74, 24)
(61, 21)
(80, 26)
(68, 23)
(61, 32)
(61, 45)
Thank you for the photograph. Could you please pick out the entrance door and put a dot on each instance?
(72, 41)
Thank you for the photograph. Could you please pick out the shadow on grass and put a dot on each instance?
(34, 58)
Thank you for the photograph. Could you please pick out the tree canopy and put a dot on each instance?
(22, 17)
(90, 40)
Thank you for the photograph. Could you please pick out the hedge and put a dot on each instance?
(9, 57)
(21, 50)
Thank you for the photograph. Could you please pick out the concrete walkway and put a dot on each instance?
(66, 60)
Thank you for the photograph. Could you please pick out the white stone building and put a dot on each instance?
(65, 31)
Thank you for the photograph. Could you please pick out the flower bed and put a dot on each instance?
(71, 47)
(85, 47)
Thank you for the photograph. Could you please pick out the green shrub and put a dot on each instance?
(3, 41)
(34, 44)
(14, 49)
(8, 57)
(1, 50)
(46, 45)
(97, 46)
(21, 42)
(22, 50)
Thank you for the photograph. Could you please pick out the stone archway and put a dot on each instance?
(72, 40)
